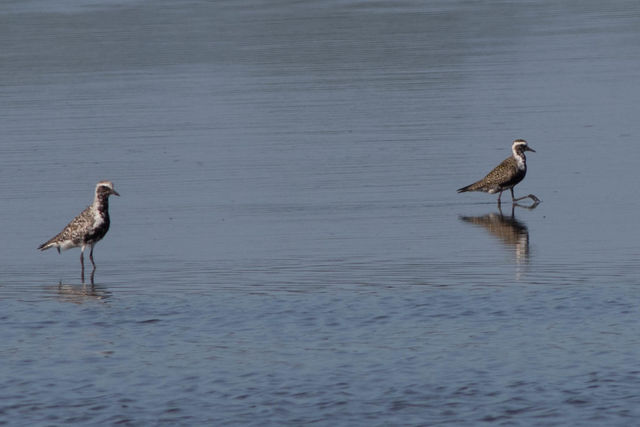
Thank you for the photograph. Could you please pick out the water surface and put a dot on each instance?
(289, 247)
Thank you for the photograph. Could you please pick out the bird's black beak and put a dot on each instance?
(115, 193)
(527, 148)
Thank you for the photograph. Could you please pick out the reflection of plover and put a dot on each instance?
(512, 232)
(506, 175)
(87, 228)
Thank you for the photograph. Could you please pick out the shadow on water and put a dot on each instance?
(78, 293)
(513, 233)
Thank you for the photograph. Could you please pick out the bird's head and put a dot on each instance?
(520, 146)
(105, 189)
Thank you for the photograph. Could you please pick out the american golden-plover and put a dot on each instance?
(506, 175)
(87, 228)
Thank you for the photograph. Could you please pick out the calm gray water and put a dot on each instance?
(289, 248)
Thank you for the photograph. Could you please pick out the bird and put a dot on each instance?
(86, 229)
(506, 175)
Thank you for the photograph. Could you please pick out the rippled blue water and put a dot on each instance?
(289, 247)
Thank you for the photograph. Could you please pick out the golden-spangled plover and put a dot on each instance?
(87, 228)
(506, 175)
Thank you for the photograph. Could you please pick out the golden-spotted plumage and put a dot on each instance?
(506, 175)
(80, 231)
(87, 228)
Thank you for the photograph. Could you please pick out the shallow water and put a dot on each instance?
(289, 247)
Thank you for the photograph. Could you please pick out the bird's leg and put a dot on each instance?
(499, 195)
(91, 257)
(94, 264)
(530, 196)
(82, 264)
(530, 207)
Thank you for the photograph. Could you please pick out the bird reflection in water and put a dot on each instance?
(79, 294)
(513, 233)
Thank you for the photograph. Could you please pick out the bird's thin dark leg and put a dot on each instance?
(91, 258)
(82, 265)
(530, 196)
(93, 272)
(499, 195)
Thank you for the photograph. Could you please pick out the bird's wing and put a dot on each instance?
(498, 176)
(73, 230)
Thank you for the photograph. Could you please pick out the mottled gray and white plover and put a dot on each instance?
(87, 228)
(506, 175)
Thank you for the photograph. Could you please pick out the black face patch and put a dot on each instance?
(520, 148)
(103, 190)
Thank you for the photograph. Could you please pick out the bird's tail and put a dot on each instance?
(470, 187)
(48, 244)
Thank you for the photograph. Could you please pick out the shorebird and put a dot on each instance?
(506, 175)
(87, 228)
